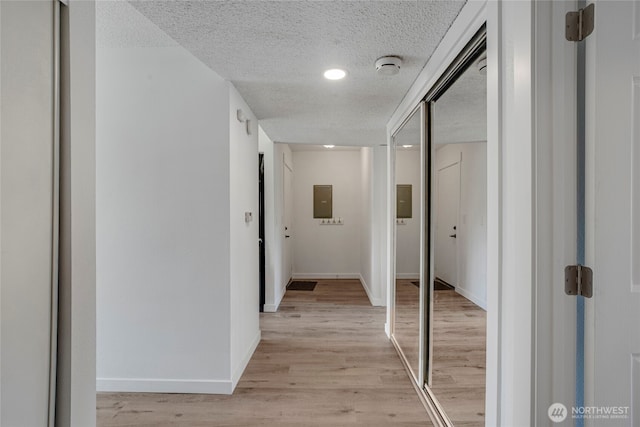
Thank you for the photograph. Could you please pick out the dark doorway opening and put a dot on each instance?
(261, 229)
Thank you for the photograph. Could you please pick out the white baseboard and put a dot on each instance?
(471, 297)
(272, 308)
(408, 276)
(237, 374)
(377, 302)
(299, 276)
(153, 385)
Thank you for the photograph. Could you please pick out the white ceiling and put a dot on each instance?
(311, 147)
(460, 114)
(275, 52)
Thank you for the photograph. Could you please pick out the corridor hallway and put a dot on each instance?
(324, 360)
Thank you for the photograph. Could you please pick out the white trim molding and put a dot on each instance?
(472, 297)
(310, 276)
(235, 377)
(408, 276)
(153, 385)
(376, 302)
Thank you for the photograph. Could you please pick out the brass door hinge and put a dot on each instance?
(580, 24)
(578, 280)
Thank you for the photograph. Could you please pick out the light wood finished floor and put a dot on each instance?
(324, 360)
(459, 357)
(407, 325)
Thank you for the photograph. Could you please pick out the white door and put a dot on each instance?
(27, 255)
(613, 210)
(448, 199)
(288, 222)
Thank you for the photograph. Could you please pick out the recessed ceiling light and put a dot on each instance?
(329, 146)
(335, 74)
(407, 146)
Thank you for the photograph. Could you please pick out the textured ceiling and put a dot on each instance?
(310, 147)
(460, 114)
(119, 25)
(276, 51)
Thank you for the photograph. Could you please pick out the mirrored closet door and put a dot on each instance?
(439, 182)
(409, 289)
(458, 140)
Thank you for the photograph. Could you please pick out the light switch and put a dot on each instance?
(248, 217)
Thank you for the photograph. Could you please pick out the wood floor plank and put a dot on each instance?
(459, 349)
(324, 360)
(459, 358)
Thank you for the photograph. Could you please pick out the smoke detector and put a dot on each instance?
(388, 65)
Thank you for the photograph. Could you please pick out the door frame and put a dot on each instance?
(262, 231)
(287, 239)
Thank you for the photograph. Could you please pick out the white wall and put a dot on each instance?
(327, 250)
(471, 231)
(172, 288)
(372, 222)
(374, 225)
(381, 224)
(366, 220)
(408, 234)
(244, 249)
(276, 280)
(162, 236)
(276, 262)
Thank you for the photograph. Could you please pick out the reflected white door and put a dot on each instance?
(613, 209)
(287, 222)
(448, 200)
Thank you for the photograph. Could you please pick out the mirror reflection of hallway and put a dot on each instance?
(459, 195)
(407, 149)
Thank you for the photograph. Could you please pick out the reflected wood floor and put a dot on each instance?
(459, 349)
(324, 360)
(459, 357)
(407, 327)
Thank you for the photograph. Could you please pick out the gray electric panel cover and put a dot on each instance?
(323, 201)
(403, 201)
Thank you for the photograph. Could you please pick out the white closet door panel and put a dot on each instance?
(26, 162)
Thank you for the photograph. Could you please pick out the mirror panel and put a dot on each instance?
(459, 241)
(407, 326)
(439, 177)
